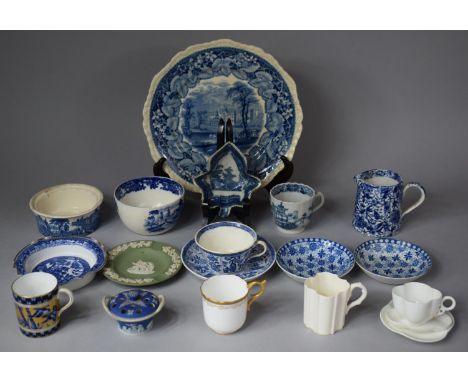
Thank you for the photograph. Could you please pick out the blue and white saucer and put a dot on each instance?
(303, 258)
(194, 259)
(392, 261)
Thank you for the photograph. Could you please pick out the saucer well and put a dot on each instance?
(194, 259)
(432, 331)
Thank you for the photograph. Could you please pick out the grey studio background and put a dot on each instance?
(71, 111)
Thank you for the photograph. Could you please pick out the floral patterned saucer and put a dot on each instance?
(303, 258)
(194, 259)
(142, 262)
(222, 79)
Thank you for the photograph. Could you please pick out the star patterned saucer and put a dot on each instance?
(303, 258)
(193, 258)
(433, 331)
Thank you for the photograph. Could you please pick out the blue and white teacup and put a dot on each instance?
(229, 245)
(292, 206)
(379, 196)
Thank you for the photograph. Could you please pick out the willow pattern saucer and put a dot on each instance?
(229, 80)
(142, 262)
(194, 259)
(433, 331)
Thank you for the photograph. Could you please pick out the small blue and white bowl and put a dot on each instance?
(134, 309)
(73, 260)
(67, 209)
(304, 258)
(151, 205)
(391, 261)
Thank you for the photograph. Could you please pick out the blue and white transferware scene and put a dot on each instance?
(240, 205)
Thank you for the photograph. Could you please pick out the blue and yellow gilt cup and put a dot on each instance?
(37, 303)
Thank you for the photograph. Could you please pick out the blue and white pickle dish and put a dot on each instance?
(304, 258)
(197, 262)
(134, 309)
(67, 209)
(227, 183)
(229, 245)
(392, 261)
(73, 260)
(149, 205)
(379, 196)
(292, 206)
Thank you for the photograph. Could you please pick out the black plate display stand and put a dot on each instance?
(241, 213)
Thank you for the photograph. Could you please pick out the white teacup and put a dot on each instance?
(226, 302)
(419, 303)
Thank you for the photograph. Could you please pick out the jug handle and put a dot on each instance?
(360, 298)
(421, 199)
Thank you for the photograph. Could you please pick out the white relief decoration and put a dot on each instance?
(141, 267)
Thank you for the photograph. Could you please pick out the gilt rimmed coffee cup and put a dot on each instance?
(37, 303)
(226, 301)
(419, 303)
(292, 206)
(229, 245)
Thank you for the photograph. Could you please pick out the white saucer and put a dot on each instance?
(432, 331)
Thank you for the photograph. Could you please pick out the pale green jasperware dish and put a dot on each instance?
(142, 262)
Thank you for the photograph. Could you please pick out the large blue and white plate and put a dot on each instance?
(195, 260)
(73, 260)
(392, 261)
(222, 79)
(303, 258)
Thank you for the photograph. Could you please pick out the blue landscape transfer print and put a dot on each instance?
(222, 82)
(393, 258)
(81, 226)
(227, 183)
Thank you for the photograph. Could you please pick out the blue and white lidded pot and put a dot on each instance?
(133, 309)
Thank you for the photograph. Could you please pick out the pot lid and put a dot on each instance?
(133, 303)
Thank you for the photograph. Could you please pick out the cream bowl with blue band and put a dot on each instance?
(37, 304)
(229, 245)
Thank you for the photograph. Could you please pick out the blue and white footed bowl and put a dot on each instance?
(150, 205)
(73, 260)
(67, 209)
(304, 258)
(392, 261)
(134, 309)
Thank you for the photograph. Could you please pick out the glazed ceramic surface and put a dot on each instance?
(142, 262)
(199, 262)
(226, 301)
(229, 245)
(434, 330)
(151, 205)
(326, 299)
(134, 309)
(67, 209)
(227, 183)
(392, 261)
(303, 258)
(377, 210)
(73, 260)
(419, 303)
(222, 79)
(292, 206)
(37, 304)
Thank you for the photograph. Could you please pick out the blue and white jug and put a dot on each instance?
(379, 196)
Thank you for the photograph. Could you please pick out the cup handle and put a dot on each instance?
(360, 298)
(444, 308)
(262, 285)
(69, 294)
(265, 248)
(162, 301)
(421, 199)
(322, 200)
